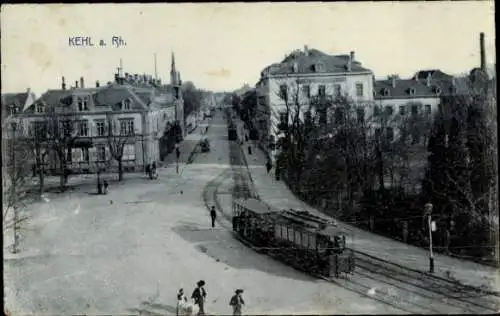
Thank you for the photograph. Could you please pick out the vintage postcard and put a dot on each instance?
(250, 158)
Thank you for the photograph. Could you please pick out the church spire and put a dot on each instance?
(173, 72)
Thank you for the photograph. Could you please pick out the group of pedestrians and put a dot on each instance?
(199, 297)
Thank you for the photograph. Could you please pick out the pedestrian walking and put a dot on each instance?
(269, 166)
(183, 306)
(237, 302)
(213, 215)
(148, 169)
(105, 187)
(199, 296)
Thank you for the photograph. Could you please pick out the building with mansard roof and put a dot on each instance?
(138, 109)
(302, 75)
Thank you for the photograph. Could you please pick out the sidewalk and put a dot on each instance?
(276, 193)
(187, 146)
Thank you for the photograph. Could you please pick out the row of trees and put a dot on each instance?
(30, 149)
(193, 98)
(380, 169)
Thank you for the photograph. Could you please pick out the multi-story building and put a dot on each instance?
(303, 75)
(136, 110)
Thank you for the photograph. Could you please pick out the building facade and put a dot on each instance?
(135, 113)
(290, 86)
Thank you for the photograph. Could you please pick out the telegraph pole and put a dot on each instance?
(177, 154)
(428, 211)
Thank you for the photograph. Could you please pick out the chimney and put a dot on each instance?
(393, 78)
(82, 83)
(306, 50)
(116, 78)
(63, 84)
(76, 84)
(429, 79)
(483, 53)
(352, 56)
(97, 84)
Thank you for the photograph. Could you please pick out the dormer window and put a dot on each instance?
(83, 103)
(39, 108)
(385, 92)
(13, 109)
(317, 67)
(411, 91)
(437, 90)
(126, 104)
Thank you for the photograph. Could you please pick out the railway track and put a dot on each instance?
(405, 289)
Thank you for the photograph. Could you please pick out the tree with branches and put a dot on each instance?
(461, 177)
(16, 172)
(62, 132)
(117, 138)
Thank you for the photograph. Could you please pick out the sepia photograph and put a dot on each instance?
(293, 158)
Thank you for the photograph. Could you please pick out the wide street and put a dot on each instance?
(129, 252)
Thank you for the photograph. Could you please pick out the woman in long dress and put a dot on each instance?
(183, 306)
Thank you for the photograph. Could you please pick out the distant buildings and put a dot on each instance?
(134, 109)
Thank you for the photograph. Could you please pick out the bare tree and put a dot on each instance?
(117, 139)
(62, 128)
(16, 171)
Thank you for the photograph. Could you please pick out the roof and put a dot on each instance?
(53, 98)
(14, 98)
(435, 74)
(256, 206)
(403, 88)
(115, 94)
(306, 63)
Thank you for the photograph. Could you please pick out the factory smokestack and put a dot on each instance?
(483, 53)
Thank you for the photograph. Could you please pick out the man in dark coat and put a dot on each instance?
(237, 302)
(199, 295)
(269, 166)
(213, 215)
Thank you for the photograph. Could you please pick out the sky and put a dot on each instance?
(220, 46)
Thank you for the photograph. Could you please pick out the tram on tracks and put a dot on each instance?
(300, 239)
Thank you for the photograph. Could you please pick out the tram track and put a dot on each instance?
(405, 289)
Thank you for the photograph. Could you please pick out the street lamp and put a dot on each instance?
(432, 227)
(177, 154)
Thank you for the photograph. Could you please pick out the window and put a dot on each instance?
(83, 104)
(321, 90)
(402, 110)
(13, 126)
(101, 153)
(307, 91)
(414, 109)
(359, 89)
(83, 129)
(126, 104)
(390, 134)
(39, 108)
(284, 92)
(412, 91)
(338, 90)
(85, 154)
(128, 152)
(376, 110)
(69, 155)
(101, 131)
(39, 129)
(388, 110)
(339, 116)
(13, 109)
(127, 127)
(428, 109)
(283, 117)
(385, 92)
(360, 114)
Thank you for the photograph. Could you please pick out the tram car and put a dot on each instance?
(300, 239)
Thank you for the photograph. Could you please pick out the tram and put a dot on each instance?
(297, 238)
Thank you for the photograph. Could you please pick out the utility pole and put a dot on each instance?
(428, 211)
(177, 154)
